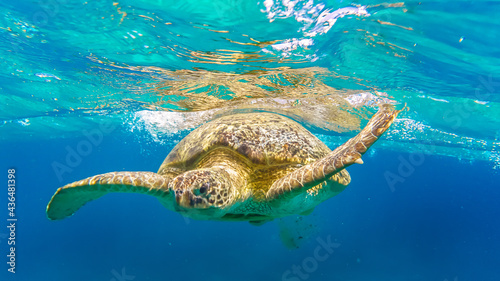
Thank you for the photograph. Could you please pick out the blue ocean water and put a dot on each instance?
(424, 206)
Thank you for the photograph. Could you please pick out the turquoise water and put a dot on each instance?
(423, 207)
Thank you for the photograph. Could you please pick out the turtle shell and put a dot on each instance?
(262, 138)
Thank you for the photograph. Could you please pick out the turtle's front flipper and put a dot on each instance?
(69, 198)
(345, 155)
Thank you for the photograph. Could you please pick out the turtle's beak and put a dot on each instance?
(184, 199)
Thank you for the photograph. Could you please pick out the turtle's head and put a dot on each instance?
(203, 191)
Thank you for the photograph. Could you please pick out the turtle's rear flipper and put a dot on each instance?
(343, 156)
(69, 198)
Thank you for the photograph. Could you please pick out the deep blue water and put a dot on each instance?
(424, 206)
(438, 224)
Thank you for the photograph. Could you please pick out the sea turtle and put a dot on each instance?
(244, 167)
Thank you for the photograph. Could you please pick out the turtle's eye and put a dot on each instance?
(203, 188)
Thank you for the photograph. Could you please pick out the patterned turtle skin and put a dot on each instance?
(252, 167)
